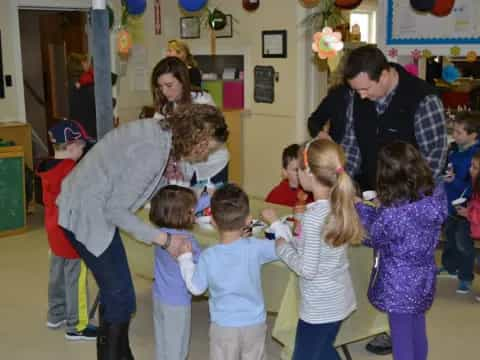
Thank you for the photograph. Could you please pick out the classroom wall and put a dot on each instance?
(267, 128)
(8, 105)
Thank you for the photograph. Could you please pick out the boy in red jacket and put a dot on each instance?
(286, 192)
(67, 286)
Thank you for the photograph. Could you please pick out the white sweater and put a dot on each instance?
(326, 289)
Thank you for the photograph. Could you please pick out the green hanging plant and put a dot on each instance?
(326, 14)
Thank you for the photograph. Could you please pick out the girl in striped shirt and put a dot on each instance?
(329, 224)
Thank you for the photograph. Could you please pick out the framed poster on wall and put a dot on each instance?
(405, 26)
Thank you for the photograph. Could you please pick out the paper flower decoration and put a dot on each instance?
(124, 42)
(426, 53)
(455, 51)
(392, 53)
(450, 73)
(327, 43)
(416, 54)
(471, 56)
(412, 69)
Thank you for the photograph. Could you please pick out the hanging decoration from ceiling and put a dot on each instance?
(135, 7)
(309, 3)
(327, 43)
(250, 5)
(442, 7)
(192, 5)
(471, 56)
(347, 4)
(450, 73)
(325, 14)
(392, 54)
(124, 42)
(422, 5)
(216, 19)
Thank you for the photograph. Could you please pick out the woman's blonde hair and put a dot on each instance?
(325, 160)
(181, 46)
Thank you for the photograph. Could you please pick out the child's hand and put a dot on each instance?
(269, 215)
(186, 247)
(280, 242)
(77, 85)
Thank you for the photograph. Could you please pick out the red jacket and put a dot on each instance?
(52, 172)
(86, 78)
(474, 216)
(283, 194)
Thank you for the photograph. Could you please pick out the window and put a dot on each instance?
(367, 22)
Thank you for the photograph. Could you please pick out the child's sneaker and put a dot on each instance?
(464, 287)
(443, 272)
(477, 297)
(89, 333)
(55, 325)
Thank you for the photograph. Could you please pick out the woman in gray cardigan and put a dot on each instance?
(119, 174)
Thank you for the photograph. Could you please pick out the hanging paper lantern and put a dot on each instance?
(327, 43)
(124, 42)
(455, 51)
(422, 5)
(250, 5)
(192, 5)
(471, 56)
(442, 7)
(136, 7)
(347, 4)
(426, 53)
(309, 3)
(216, 19)
(450, 73)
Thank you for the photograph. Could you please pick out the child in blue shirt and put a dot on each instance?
(231, 271)
(458, 255)
(172, 209)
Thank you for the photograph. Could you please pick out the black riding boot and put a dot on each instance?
(126, 352)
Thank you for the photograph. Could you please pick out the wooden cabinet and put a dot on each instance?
(21, 134)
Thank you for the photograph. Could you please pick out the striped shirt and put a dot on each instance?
(326, 289)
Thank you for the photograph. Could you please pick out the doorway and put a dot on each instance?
(47, 38)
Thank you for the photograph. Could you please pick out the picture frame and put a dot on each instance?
(274, 44)
(227, 31)
(190, 27)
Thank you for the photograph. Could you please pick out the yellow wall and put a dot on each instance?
(8, 105)
(267, 128)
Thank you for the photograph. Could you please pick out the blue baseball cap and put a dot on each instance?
(66, 131)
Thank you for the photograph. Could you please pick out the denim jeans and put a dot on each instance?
(112, 274)
(315, 341)
(459, 252)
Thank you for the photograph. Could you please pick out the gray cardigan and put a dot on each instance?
(115, 178)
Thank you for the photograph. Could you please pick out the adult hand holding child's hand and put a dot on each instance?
(176, 243)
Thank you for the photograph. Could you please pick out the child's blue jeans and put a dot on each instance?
(315, 341)
(459, 252)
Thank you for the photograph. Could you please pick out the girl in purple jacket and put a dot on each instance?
(404, 231)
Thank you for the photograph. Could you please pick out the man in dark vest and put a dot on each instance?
(389, 104)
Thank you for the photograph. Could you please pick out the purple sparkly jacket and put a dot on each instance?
(404, 238)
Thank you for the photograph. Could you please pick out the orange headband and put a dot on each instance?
(305, 156)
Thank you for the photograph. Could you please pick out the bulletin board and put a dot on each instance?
(405, 26)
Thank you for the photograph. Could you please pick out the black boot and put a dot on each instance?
(126, 352)
(109, 341)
